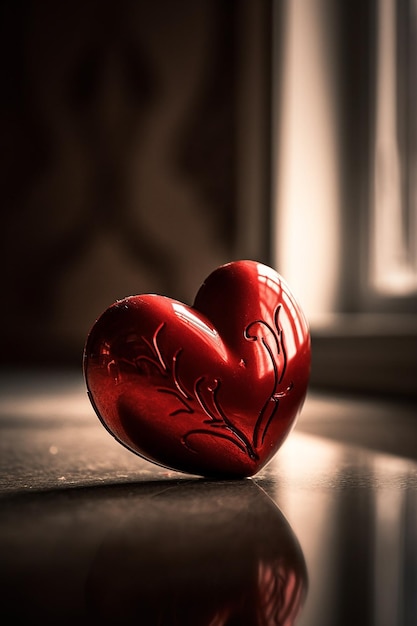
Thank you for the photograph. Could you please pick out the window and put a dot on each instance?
(345, 185)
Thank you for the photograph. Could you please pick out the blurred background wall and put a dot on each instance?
(135, 145)
(145, 143)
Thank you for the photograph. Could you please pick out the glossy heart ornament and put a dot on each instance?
(211, 389)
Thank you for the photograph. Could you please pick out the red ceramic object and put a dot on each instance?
(211, 389)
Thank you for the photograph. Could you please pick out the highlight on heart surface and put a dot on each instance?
(211, 389)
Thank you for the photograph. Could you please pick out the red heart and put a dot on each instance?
(213, 389)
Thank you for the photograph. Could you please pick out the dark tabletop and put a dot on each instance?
(90, 533)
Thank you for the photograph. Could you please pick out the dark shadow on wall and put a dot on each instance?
(121, 129)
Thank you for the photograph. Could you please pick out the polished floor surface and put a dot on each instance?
(325, 535)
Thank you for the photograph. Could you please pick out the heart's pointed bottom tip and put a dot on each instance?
(239, 473)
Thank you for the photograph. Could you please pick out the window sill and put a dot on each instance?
(374, 354)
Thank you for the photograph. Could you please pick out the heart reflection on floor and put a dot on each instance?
(200, 553)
